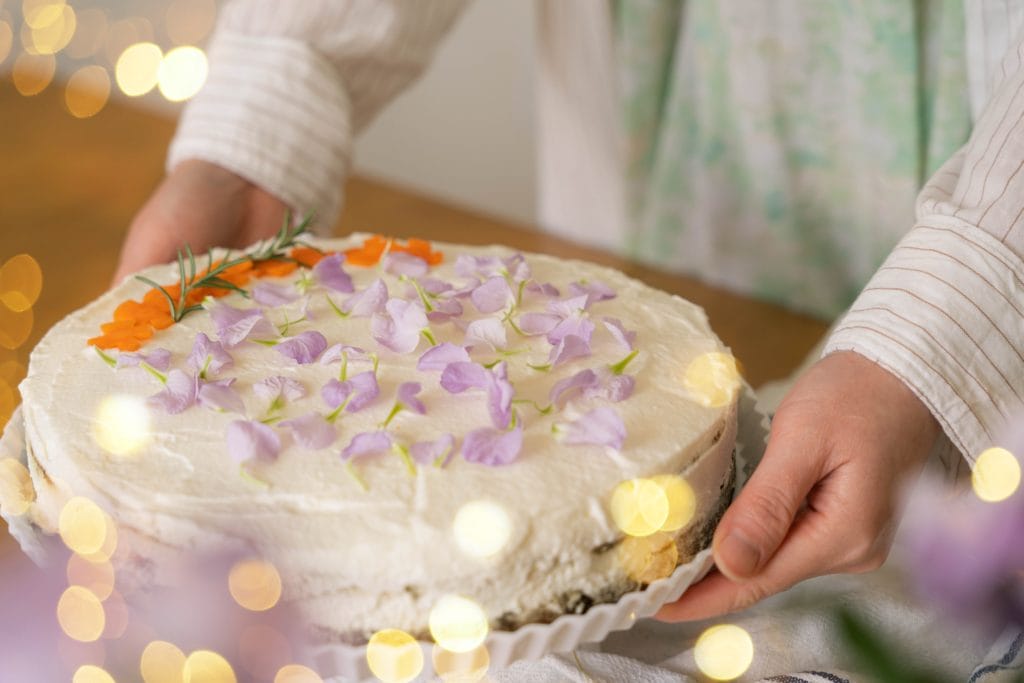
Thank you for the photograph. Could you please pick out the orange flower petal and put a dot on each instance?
(307, 256)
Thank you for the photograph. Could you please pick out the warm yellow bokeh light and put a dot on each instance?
(458, 624)
(206, 666)
(639, 507)
(996, 475)
(120, 36)
(90, 34)
(15, 327)
(162, 662)
(724, 652)
(482, 528)
(460, 667)
(54, 36)
(117, 613)
(188, 22)
(394, 656)
(32, 73)
(87, 91)
(121, 424)
(6, 40)
(80, 614)
(137, 69)
(90, 673)
(182, 73)
(646, 559)
(296, 673)
(254, 584)
(83, 526)
(106, 551)
(21, 281)
(16, 491)
(712, 379)
(682, 501)
(96, 577)
(11, 371)
(41, 13)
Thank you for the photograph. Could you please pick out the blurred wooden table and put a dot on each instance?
(69, 187)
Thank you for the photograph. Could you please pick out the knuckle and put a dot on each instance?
(766, 512)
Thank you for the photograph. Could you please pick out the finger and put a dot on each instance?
(756, 523)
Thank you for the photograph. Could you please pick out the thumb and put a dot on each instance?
(757, 522)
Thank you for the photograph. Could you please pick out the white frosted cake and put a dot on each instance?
(388, 424)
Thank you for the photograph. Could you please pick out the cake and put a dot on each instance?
(390, 424)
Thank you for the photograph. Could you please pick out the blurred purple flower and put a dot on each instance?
(303, 348)
(492, 296)
(600, 427)
(328, 272)
(276, 388)
(180, 393)
(441, 356)
(398, 263)
(425, 452)
(158, 359)
(273, 295)
(208, 356)
(401, 328)
(235, 325)
(251, 440)
(367, 443)
(627, 338)
(493, 447)
(407, 397)
(220, 396)
(311, 431)
(368, 302)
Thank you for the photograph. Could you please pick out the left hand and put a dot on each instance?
(824, 498)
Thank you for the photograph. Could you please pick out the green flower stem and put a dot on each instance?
(252, 479)
(543, 411)
(620, 367)
(106, 358)
(429, 336)
(350, 470)
(424, 297)
(330, 302)
(403, 453)
(395, 410)
(153, 371)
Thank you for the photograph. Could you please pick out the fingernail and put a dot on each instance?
(741, 557)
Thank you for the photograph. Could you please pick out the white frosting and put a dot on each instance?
(354, 560)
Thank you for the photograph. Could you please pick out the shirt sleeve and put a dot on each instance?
(291, 83)
(945, 312)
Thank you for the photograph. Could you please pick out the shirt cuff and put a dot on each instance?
(945, 315)
(273, 111)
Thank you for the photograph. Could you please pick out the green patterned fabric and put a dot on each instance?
(775, 147)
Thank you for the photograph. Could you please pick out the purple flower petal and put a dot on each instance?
(158, 359)
(328, 272)
(273, 388)
(440, 356)
(220, 396)
(516, 267)
(499, 396)
(367, 443)
(249, 440)
(492, 296)
(179, 393)
(444, 310)
(543, 289)
(273, 295)
(493, 447)
(400, 330)
(311, 431)
(407, 397)
(627, 338)
(565, 308)
(368, 302)
(398, 263)
(431, 285)
(616, 388)
(490, 331)
(335, 353)
(565, 389)
(600, 427)
(573, 325)
(365, 390)
(467, 265)
(235, 325)
(595, 291)
(209, 355)
(569, 348)
(538, 323)
(457, 377)
(335, 393)
(303, 348)
(425, 452)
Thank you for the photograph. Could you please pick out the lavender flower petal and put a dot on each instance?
(499, 396)
(431, 285)
(367, 443)
(565, 308)
(493, 447)
(492, 296)
(457, 377)
(311, 431)
(615, 388)
(249, 440)
(467, 265)
(407, 397)
(303, 348)
(235, 325)
(398, 263)
(490, 331)
(273, 295)
(208, 354)
(545, 289)
(444, 310)
(627, 338)
(400, 330)
(440, 356)
(565, 389)
(368, 302)
(273, 388)
(595, 291)
(220, 396)
(158, 359)
(334, 354)
(426, 452)
(328, 272)
(180, 393)
(334, 393)
(365, 391)
(538, 323)
(600, 427)
(569, 348)
(573, 325)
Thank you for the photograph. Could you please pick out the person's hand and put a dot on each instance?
(824, 498)
(203, 205)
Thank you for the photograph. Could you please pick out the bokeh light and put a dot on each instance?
(121, 424)
(16, 491)
(724, 652)
(96, 577)
(206, 666)
(90, 34)
(712, 379)
(8, 401)
(996, 475)
(645, 559)
(116, 610)
(188, 22)
(460, 667)
(458, 624)
(682, 501)
(40, 13)
(639, 507)
(32, 73)
(21, 281)
(255, 585)
(87, 91)
(6, 40)
(263, 649)
(482, 528)
(394, 656)
(106, 551)
(119, 36)
(15, 327)
(82, 526)
(80, 614)
(162, 662)
(182, 73)
(296, 673)
(90, 673)
(50, 37)
(137, 69)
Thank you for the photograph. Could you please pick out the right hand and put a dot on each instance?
(203, 205)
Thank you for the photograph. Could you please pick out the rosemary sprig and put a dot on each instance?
(190, 280)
